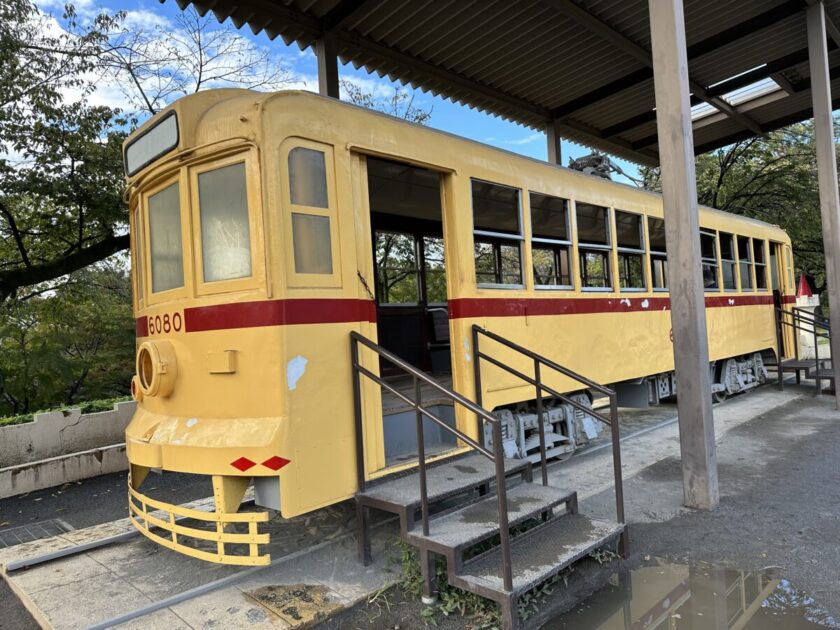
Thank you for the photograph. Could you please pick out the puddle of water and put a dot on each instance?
(696, 597)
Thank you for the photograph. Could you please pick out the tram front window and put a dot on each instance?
(164, 208)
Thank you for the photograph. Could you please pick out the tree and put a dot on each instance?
(399, 102)
(156, 64)
(75, 343)
(61, 179)
(773, 179)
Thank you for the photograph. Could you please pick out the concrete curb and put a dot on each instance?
(55, 471)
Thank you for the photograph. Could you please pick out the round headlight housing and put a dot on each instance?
(156, 368)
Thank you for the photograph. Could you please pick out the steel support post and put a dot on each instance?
(682, 232)
(826, 173)
(325, 50)
(555, 151)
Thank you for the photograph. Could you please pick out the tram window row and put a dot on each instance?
(616, 250)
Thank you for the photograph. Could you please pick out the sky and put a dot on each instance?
(302, 66)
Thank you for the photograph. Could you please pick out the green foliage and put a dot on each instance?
(482, 612)
(90, 406)
(773, 179)
(71, 344)
(61, 181)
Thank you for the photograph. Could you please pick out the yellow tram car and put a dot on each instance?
(265, 228)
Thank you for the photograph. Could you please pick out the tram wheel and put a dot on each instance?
(720, 396)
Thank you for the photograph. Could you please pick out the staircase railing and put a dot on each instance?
(801, 320)
(496, 455)
(540, 390)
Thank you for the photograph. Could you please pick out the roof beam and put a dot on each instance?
(772, 69)
(695, 50)
(342, 13)
(830, 25)
(794, 88)
(524, 109)
(615, 145)
(643, 55)
(772, 125)
(521, 109)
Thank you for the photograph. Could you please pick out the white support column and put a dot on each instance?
(682, 232)
(555, 152)
(826, 172)
(325, 50)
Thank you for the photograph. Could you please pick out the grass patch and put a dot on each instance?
(481, 613)
(89, 406)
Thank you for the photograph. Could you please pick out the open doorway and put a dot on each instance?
(411, 307)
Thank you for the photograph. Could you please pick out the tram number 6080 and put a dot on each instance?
(165, 323)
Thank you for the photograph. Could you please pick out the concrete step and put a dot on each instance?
(452, 477)
(792, 365)
(536, 555)
(455, 531)
(823, 374)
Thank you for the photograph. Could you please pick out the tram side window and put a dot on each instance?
(497, 232)
(593, 230)
(165, 239)
(727, 258)
(138, 257)
(708, 253)
(396, 268)
(760, 265)
(630, 243)
(435, 267)
(658, 255)
(311, 231)
(225, 233)
(745, 262)
(550, 241)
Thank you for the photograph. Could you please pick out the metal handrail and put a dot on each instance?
(496, 456)
(541, 389)
(811, 318)
(798, 314)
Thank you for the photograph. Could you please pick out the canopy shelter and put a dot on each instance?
(583, 68)
(647, 80)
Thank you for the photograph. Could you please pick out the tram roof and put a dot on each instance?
(582, 65)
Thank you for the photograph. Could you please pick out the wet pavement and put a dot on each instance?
(696, 597)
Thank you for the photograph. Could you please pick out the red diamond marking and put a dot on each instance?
(275, 463)
(243, 464)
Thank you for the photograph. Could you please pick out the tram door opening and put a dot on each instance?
(411, 308)
(778, 283)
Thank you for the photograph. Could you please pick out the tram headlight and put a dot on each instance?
(156, 368)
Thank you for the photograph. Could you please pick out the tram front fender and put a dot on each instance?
(249, 447)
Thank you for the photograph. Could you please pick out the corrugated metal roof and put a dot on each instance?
(570, 61)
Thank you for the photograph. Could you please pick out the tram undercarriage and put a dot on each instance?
(567, 429)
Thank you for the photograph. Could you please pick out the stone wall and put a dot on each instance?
(58, 433)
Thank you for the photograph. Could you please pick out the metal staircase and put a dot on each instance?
(500, 533)
(801, 320)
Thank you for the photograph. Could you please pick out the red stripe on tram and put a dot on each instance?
(340, 311)
(278, 313)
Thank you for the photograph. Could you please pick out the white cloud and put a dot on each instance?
(145, 19)
(534, 137)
